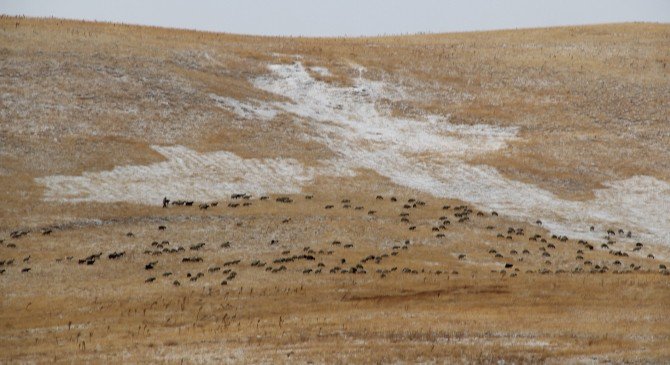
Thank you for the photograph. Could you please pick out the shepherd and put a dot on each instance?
(166, 201)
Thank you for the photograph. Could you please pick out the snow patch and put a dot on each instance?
(321, 71)
(186, 174)
(428, 154)
(244, 110)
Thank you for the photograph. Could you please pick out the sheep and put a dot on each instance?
(116, 255)
(18, 234)
(197, 246)
(191, 259)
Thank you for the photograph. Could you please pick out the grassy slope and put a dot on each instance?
(592, 106)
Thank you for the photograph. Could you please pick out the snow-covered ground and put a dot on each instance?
(427, 154)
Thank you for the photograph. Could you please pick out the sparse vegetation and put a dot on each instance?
(330, 271)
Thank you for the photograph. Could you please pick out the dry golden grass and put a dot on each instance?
(591, 104)
(65, 311)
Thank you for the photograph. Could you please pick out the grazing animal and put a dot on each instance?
(198, 246)
(116, 255)
(284, 199)
(461, 256)
(90, 260)
(162, 228)
(18, 234)
(191, 259)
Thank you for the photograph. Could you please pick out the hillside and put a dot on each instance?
(468, 197)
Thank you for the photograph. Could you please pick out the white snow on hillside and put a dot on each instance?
(427, 154)
(186, 174)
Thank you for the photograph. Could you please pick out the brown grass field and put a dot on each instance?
(591, 105)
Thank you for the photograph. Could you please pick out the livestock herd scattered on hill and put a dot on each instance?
(312, 261)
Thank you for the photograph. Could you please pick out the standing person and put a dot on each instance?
(165, 202)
